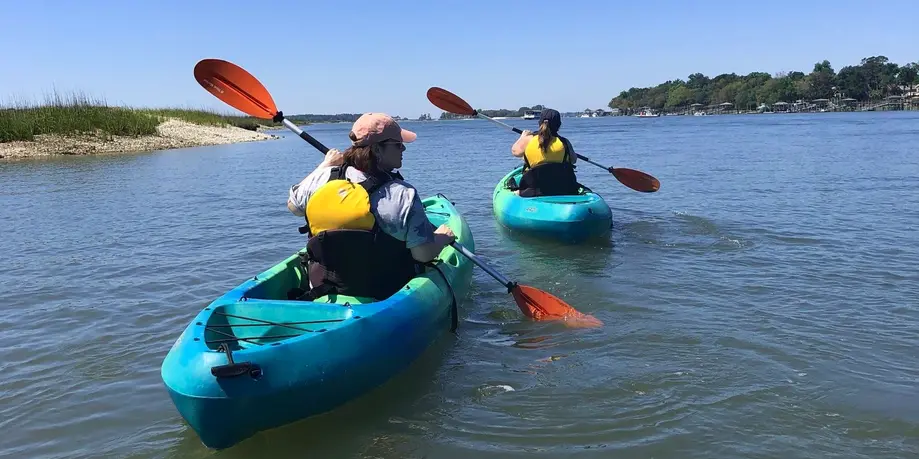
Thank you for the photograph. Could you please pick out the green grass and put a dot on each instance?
(79, 114)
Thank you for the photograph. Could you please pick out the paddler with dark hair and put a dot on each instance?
(548, 159)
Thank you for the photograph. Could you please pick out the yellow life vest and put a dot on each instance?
(535, 156)
(341, 204)
(348, 253)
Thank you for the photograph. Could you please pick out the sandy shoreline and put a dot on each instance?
(173, 133)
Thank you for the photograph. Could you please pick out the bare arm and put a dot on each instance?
(430, 250)
(519, 147)
(421, 237)
(296, 202)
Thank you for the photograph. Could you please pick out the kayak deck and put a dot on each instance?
(570, 218)
(252, 359)
(256, 323)
(263, 314)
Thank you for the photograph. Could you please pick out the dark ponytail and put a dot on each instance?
(546, 136)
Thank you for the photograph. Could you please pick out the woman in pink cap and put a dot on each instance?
(345, 254)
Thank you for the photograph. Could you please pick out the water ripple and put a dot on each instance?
(745, 315)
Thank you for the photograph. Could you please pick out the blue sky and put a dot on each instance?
(356, 56)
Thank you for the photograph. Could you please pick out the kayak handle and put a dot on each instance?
(233, 369)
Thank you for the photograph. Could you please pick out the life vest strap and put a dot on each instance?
(364, 262)
(317, 292)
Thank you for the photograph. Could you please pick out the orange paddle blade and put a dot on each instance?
(539, 305)
(636, 180)
(235, 86)
(449, 102)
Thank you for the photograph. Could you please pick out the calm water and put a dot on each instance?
(763, 304)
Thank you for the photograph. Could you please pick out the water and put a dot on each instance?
(762, 304)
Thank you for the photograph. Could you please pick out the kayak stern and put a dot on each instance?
(573, 219)
(293, 359)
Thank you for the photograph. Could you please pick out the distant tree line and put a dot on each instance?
(495, 113)
(874, 78)
(310, 118)
(302, 120)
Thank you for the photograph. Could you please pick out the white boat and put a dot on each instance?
(531, 114)
(647, 113)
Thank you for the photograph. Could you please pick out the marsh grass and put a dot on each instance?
(76, 113)
(205, 117)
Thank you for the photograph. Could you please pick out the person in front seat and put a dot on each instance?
(548, 159)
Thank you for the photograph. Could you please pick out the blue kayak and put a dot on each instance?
(574, 218)
(253, 360)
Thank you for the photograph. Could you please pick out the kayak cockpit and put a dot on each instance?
(255, 323)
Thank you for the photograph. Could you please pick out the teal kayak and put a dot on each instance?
(253, 360)
(574, 218)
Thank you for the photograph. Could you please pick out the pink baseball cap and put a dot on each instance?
(377, 127)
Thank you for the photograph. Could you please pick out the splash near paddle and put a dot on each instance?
(540, 305)
(533, 302)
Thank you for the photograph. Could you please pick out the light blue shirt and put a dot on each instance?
(396, 205)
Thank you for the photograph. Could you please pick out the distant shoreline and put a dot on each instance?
(74, 124)
(170, 134)
(79, 127)
(873, 84)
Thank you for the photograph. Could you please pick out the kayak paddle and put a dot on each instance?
(239, 89)
(533, 302)
(242, 91)
(449, 102)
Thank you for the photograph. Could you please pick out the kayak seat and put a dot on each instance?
(549, 179)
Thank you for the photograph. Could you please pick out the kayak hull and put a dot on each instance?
(306, 357)
(573, 219)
